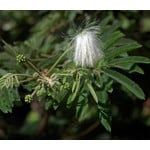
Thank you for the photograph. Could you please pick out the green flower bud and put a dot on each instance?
(20, 58)
(28, 98)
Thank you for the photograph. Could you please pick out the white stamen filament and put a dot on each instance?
(88, 48)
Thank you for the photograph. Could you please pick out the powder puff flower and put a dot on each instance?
(88, 47)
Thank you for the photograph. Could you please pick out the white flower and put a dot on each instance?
(88, 47)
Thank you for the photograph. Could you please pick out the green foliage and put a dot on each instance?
(54, 79)
(125, 81)
(121, 49)
(92, 92)
(7, 99)
(9, 80)
(129, 60)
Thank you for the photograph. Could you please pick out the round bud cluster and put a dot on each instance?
(28, 98)
(20, 58)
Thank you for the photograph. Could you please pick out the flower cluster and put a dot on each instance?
(20, 58)
(88, 47)
(28, 98)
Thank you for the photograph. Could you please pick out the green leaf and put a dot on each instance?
(110, 39)
(74, 86)
(122, 49)
(111, 28)
(131, 68)
(102, 96)
(123, 66)
(9, 80)
(92, 91)
(106, 124)
(125, 81)
(82, 111)
(136, 69)
(124, 41)
(105, 119)
(72, 96)
(7, 99)
(105, 21)
(114, 26)
(129, 59)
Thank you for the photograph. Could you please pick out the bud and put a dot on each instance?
(20, 58)
(28, 98)
(88, 47)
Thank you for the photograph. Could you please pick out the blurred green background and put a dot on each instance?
(131, 117)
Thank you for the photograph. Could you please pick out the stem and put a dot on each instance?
(33, 67)
(27, 80)
(24, 75)
(34, 92)
(58, 60)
